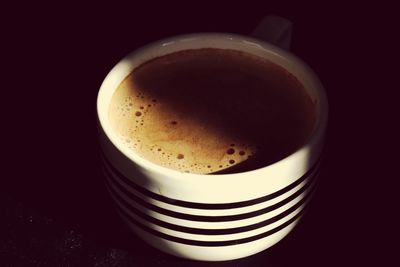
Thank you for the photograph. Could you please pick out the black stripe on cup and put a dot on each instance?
(205, 218)
(209, 206)
(209, 243)
(120, 201)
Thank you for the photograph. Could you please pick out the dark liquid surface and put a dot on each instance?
(212, 111)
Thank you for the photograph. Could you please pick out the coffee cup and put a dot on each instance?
(211, 217)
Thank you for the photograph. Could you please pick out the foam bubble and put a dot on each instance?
(180, 156)
(231, 161)
(241, 152)
(230, 151)
(138, 113)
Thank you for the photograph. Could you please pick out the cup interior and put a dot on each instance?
(209, 40)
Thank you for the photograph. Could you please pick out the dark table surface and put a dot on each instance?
(54, 209)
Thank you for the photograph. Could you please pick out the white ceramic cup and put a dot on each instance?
(218, 216)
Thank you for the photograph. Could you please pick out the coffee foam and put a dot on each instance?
(181, 129)
(157, 134)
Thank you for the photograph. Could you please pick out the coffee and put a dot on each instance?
(212, 111)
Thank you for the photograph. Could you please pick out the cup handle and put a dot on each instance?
(275, 30)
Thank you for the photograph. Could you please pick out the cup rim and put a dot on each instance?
(315, 135)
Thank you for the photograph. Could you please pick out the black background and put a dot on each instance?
(54, 208)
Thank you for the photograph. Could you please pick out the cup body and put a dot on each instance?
(211, 217)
